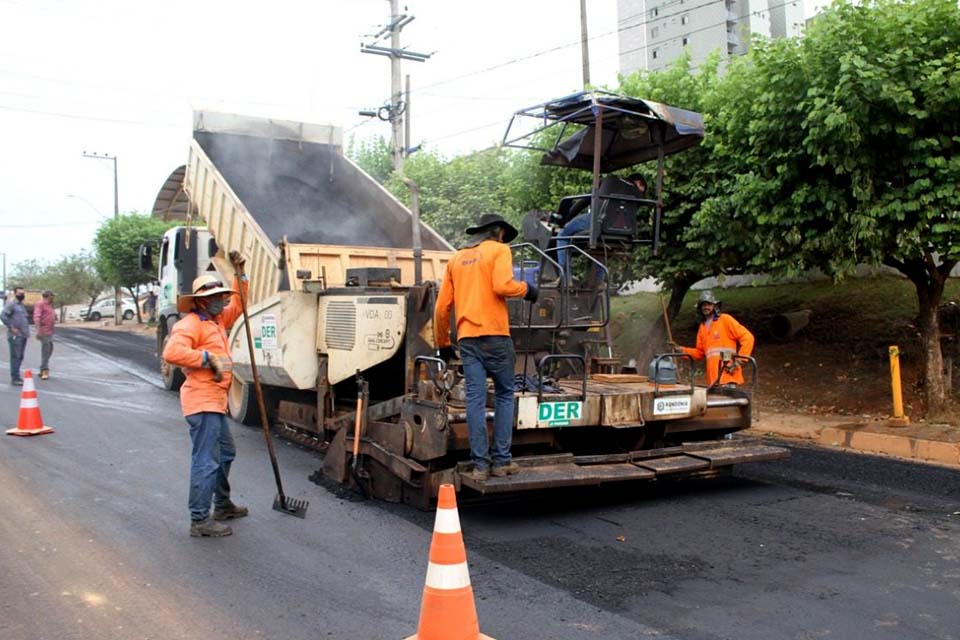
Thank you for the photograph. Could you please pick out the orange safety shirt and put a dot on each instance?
(723, 335)
(191, 336)
(476, 284)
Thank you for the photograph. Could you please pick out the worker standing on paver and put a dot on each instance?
(45, 319)
(198, 344)
(719, 338)
(478, 280)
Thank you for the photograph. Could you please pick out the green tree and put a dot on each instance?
(848, 151)
(117, 246)
(75, 279)
(453, 193)
(30, 274)
(373, 155)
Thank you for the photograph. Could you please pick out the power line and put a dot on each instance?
(74, 116)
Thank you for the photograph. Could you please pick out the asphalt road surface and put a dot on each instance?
(94, 539)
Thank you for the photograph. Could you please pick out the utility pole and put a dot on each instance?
(118, 299)
(395, 108)
(584, 47)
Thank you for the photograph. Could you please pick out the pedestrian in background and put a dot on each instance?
(14, 316)
(476, 285)
(44, 319)
(198, 344)
(150, 306)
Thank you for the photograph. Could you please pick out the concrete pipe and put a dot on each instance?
(786, 325)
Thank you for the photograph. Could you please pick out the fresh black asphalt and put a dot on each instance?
(94, 544)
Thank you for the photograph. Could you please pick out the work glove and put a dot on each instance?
(237, 260)
(732, 366)
(674, 347)
(449, 354)
(216, 365)
(164, 368)
(532, 293)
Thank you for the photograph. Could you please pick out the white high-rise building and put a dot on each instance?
(653, 33)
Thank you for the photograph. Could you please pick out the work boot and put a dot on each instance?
(508, 469)
(209, 529)
(44, 374)
(229, 511)
(479, 474)
(17, 383)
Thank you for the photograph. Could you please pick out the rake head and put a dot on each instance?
(291, 506)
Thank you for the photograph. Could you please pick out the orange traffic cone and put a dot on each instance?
(29, 423)
(448, 611)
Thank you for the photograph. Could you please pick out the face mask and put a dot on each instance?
(21, 296)
(215, 307)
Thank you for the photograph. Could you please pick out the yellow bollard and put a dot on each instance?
(898, 419)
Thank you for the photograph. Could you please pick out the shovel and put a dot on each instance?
(283, 504)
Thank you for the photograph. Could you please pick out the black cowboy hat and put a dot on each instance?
(488, 220)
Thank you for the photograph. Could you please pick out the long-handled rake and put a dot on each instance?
(290, 506)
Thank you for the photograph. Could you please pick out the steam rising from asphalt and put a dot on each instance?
(308, 192)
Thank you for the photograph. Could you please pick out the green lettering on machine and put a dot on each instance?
(559, 414)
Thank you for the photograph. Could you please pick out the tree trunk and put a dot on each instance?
(136, 302)
(928, 279)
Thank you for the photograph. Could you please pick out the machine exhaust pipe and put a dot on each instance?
(417, 241)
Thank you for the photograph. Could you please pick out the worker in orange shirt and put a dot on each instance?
(198, 344)
(719, 338)
(478, 280)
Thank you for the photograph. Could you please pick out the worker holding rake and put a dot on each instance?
(198, 344)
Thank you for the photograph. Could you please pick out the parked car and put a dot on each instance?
(107, 309)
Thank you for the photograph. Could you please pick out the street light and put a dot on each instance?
(89, 204)
(116, 214)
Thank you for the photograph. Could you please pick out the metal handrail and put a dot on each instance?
(561, 356)
(420, 360)
(566, 320)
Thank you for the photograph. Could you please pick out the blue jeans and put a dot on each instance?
(575, 227)
(213, 451)
(46, 350)
(17, 346)
(493, 356)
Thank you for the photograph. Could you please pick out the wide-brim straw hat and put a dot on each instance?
(203, 286)
(488, 220)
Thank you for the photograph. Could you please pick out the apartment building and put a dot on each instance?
(653, 33)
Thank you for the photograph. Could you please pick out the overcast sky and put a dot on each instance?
(122, 77)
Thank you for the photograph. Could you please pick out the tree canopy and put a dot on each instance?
(117, 246)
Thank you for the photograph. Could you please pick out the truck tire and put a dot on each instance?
(242, 403)
(128, 315)
(95, 316)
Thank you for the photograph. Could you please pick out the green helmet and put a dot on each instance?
(707, 296)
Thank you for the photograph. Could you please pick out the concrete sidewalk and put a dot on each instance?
(923, 442)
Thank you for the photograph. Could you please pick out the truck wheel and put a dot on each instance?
(173, 377)
(128, 315)
(95, 316)
(242, 403)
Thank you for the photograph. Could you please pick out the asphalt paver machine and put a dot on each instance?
(580, 417)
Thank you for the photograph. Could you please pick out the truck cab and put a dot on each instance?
(182, 254)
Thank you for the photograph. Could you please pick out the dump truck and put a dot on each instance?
(302, 214)
(342, 297)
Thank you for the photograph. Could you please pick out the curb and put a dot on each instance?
(871, 439)
(917, 442)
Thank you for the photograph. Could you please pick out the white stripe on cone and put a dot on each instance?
(28, 384)
(448, 576)
(29, 403)
(447, 521)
